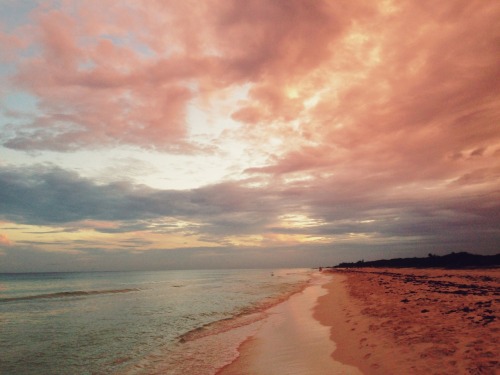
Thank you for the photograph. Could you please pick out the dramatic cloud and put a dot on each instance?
(127, 74)
(51, 196)
(315, 213)
(354, 126)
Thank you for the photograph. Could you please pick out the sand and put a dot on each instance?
(408, 321)
(291, 341)
(380, 321)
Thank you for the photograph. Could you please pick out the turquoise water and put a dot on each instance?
(127, 322)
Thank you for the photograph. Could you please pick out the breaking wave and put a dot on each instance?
(76, 293)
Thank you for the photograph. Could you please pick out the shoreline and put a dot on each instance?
(381, 321)
(290, 340)
(207, 348)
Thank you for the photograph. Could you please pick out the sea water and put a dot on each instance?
(168, 322)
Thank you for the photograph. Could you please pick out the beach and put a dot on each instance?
(291, 341)
(252, 322)
(381, 321)
(418, 321)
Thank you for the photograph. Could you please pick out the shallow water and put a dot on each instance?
(131, 322)
(291, 341)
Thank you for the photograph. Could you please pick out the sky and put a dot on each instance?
(167, 134)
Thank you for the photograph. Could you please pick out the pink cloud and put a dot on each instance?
(366, 99)
(9, 45)
(376, 118)
(280, 38)
(429, 92)
(124, 72)
(95, 90)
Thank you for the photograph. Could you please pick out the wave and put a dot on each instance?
(244, 316)
(213, 345)
(76, 293)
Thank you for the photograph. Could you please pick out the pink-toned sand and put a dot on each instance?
(408, 321)
(291, 341)
(381, 321)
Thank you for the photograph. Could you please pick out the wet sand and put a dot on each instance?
(291, 341)
(409, 321)
(381, 321)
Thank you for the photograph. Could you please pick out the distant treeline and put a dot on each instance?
(453, 260)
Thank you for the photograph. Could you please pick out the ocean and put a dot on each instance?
(159, 322)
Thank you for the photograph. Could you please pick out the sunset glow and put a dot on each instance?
(160, 134)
